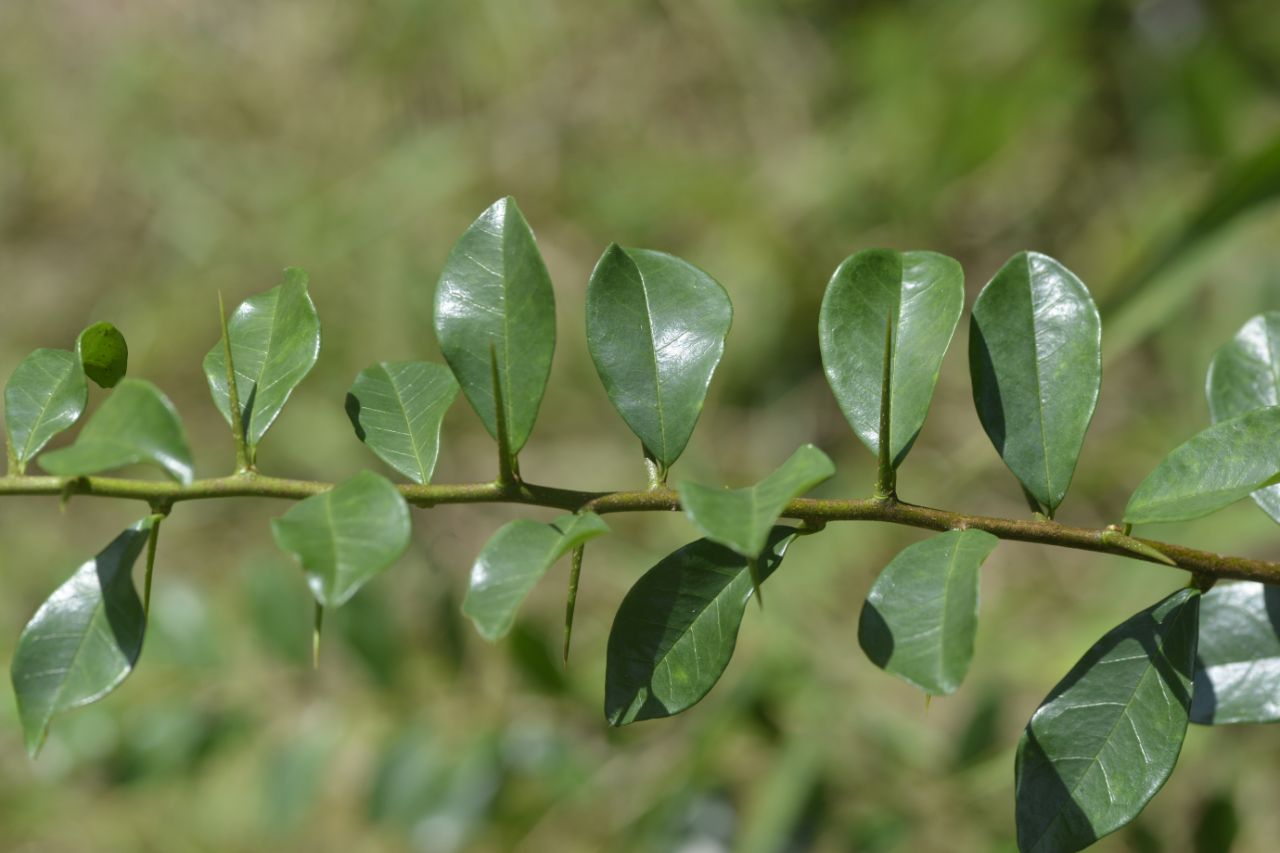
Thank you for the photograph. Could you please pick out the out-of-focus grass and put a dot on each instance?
(153, 153)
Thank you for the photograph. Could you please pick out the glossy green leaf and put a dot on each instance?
(1237, 677)
(346, 536)
(397, 409)
(84, 640)
(1105, 740)
(514, 560)
(922, 294)
(45, 395)
(136, 424)
(656, 327)
(1245, 375)
(676, 629)
(921, 616)
(103, 353)
(1035, 361)
(1211, 470)
(495, 295)
(275, 341)
(742, 518)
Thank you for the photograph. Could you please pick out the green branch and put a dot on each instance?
(812, 511)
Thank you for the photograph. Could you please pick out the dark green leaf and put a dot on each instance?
(921, 615)
(45, 395)
(397, 408)
(742, 518)
(515, 559)
(656, 327)
(676, 629)
(1105, 740)
(346, 536)
(275, 341)
(1211, 470)
(495, 293)
(1245, 375)
(1035, 361)
(135, 425)
(103, 353)
(84, 640)
(922, 294)
(1237, 677)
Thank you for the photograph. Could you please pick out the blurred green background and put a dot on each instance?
(157, 151)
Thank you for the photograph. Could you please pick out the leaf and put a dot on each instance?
(515, 559)
(103, 353)
(495, 292)
(1245, 375)
(345, 536)
(742, 518)
(397, 409)
(1105, 740)
(1035, 361)
(676, 629)
(45, 395)
(921, 616)
(84, 640)
(1211, 470)
(923, 294)
(656, 327)
(275, 341)
(1237, 676)
(136, 424)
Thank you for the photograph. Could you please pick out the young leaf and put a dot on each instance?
(45, 395)
(103, 353)
(675, 630)
(494, 292)
(1237, 677)
(1106, 738)
(922, 294)
(275, 341)
(345, 536)
(515, 559)
(1211, 470)
(1035, 361)
(921, 615)
(397, 409)
(656, 327)
(1245, 375)
(84, 640)
(742, 518)
(135, 425)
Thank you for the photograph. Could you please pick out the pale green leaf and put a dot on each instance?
(45, 395)
(397, 409)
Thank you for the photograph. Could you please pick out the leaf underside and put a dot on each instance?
(45, 395)
(397, 409)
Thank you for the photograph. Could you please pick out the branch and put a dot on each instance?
(816, 512)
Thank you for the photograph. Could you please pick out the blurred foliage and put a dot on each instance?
(155, 152)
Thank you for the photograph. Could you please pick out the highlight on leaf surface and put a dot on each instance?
(656, 327)
(45, 395)
(1106, 738)
(275, 341)
(676, 629)
(921, 616)
(495, 295)
(1211, 470)
(346, 536)
(742, 518)
(103, 353)
(136, 424)
(397, 408)
(1237, 676)
(1035, 359)
(921, 294)
(1245, 375)
(514, 560)
(84, 640)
